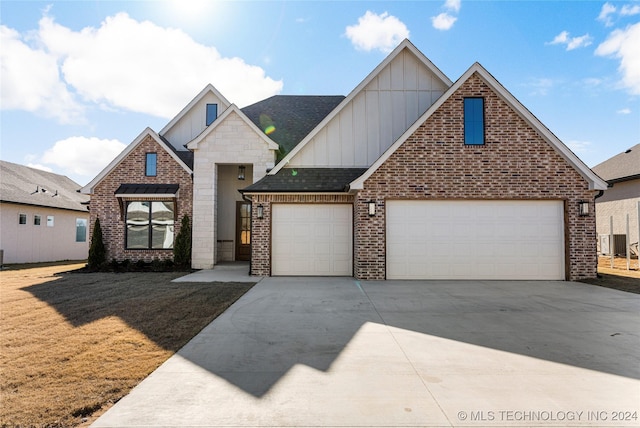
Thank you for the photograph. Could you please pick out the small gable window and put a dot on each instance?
(474, 121)
(150, 169)
(212, 113)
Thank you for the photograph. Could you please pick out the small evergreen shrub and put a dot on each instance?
(97, 250)
(182, 245)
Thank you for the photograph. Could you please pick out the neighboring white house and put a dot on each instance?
(43, 218)
(622, 173)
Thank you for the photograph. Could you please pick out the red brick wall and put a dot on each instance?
(514, 163)
(105, 205)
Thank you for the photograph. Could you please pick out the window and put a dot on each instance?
(474, 121)
(49, 221)
(149, 225)
(150, 168)
(212, 113)
(36, 220)
(22, 219)
(81, 230)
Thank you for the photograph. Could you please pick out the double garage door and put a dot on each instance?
(427, 239)
(475, 240)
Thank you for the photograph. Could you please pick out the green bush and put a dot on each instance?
(182, 245)
(97, 250)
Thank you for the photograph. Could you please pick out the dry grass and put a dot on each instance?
(72, 344)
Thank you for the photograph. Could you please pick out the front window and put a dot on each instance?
(22, 219)
(474, 121)
(151, 165)
(36, 220)
(50, 220)
(150, 225)
(81, 230)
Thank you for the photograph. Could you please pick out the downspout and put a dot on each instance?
(600, 193)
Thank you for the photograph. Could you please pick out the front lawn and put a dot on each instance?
(72, 344)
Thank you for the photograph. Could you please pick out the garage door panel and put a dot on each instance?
(475, 239)
(312, 239)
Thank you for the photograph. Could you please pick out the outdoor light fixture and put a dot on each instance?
(241, 170)
(372, 208)
(260, 211)
(583, 208)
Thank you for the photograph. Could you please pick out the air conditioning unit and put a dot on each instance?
(619, 245)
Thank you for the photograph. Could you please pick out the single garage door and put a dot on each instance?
(475, 240)
(312, 239)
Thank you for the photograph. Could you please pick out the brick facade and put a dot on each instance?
(514, 163)
(105, 205)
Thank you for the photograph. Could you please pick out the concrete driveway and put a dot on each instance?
(339, 352)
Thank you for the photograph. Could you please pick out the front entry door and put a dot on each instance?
(243, 231)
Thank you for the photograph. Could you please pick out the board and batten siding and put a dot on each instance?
(375, 117)
(194, 122)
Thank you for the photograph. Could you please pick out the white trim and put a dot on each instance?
(595, 182)
(207, 89)
(406, 44)
(193, 144)
(88, 189)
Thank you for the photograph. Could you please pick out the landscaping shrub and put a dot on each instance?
(182, 246)
(97, 250)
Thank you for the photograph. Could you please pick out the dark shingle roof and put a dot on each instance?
(622, 166)
(18, 184)
(147, 189)
(185, 156)
(292, 116)
(306, 180)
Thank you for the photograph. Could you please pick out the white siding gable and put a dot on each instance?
(375, 117)
(192, 121)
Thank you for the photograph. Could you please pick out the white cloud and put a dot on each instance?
(624, 111)
(453, 5)
(540, 86)
(31, 81)
(81, 157)
(571, 42)
(377, 32)
(628, 10)
(444, 21)
(579, 146)
(623, 44)
(605, 14)
(123, 64)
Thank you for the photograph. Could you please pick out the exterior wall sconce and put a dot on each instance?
(241, 170)
(372, 208)
(583, 208)
(260, 211)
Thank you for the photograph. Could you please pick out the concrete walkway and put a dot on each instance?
(224, 272)
(322, 352)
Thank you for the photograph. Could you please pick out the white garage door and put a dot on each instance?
(475, 240)
(312, 239)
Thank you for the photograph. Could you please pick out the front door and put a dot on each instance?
(243, 231)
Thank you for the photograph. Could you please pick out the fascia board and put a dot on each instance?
(208, 89)
(193, 144)
(406, 44)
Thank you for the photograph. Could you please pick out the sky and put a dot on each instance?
(80, 80)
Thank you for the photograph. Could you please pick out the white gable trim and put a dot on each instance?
(406, 44)
(88, 189)
(595, 182)
(208, 89)
(193, 144)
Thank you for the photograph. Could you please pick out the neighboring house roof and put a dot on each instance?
(24, 185)
(291, 117)
(193, 144)
(406, 44)
(306, 180)
(88, 189)
(594, 181)
(622, 167)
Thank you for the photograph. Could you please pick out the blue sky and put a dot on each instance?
(81, 79)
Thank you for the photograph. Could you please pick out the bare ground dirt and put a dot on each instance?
(617, 277)
(72, 344)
